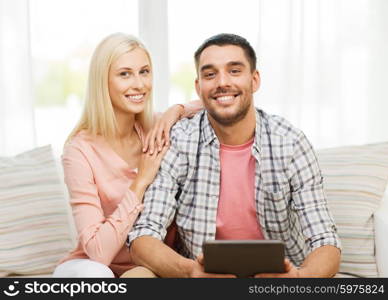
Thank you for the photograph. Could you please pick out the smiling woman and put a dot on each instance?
(106, 104)
(106, 171)
(130, 81)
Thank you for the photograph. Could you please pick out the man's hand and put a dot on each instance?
(198, 271)
(290, 272)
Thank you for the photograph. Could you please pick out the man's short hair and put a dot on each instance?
(224, 39)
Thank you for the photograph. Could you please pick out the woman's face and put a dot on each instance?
(130, 81)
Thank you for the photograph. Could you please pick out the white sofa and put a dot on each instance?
(381, 240)
(36, 227)
(355, 181)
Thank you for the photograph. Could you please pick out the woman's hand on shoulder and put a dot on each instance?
(147, 169)
(159, 135)
(149, 165)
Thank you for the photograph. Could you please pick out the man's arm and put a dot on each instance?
(309, 202)
(322, 262)
(153, 254)
(308, 197)
(160, 205)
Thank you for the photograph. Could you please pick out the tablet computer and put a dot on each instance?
(244, 258)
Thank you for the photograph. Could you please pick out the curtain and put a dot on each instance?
(153, 30)
(16, 98)
(324, 67)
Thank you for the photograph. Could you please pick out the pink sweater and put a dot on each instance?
(104, 208)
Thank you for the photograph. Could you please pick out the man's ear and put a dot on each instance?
(255, 81)
(197, 87)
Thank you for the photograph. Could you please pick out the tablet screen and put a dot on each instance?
(244, 258)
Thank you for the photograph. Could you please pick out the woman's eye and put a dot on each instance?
(124, 74)
(145, 71)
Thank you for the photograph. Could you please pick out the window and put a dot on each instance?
(63, 37)
(190, 23)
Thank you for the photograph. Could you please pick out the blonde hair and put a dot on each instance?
(98, 116)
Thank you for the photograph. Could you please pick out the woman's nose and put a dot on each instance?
(137, 82)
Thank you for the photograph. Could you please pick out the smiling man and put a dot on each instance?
(234, 172)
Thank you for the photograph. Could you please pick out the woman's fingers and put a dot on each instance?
(152, 142)
(159, 138)
(167, 135)
(146, 142)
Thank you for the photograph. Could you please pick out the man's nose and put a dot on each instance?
(223, 79)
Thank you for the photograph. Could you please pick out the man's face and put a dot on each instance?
(226, 83)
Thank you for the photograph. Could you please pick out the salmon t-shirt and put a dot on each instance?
(236, 213)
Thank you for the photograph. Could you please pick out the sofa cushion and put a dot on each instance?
(355, 179)
(34, 227)
(381, 241)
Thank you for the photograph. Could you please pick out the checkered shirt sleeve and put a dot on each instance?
(308, 198)
(159, 199)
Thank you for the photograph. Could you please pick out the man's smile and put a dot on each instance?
(225, 98)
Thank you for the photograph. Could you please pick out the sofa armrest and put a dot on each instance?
(381, 241)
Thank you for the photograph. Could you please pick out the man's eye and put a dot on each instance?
(209, 74)
(235, 71)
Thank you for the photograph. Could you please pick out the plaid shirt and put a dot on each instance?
(290, 202)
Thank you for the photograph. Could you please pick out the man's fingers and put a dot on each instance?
(223, 276)
(212, 275)
(267, 275)
(200, 259)
(287, 265)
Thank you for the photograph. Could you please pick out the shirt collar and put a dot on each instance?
(208, 133)
(209, 136)
(257, 143)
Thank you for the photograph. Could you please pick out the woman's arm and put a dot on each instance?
(101, 236)
(159, 135)
(191, 108)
